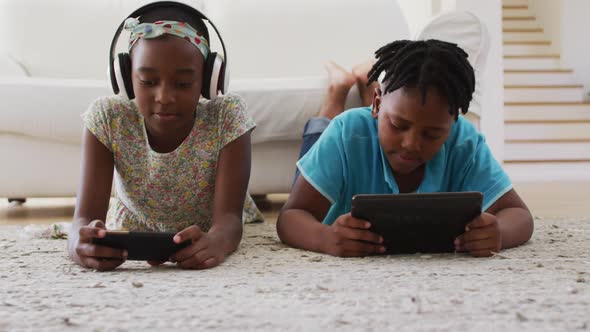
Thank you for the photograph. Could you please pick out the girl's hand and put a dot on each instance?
(350, 237)
(482, 236)
(205, 252)
(94, 256)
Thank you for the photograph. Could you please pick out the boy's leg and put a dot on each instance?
(360, 73)
(311, 133)
(339, 83)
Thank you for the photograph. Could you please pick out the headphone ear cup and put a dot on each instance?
(207, 74)
(122, 84)
(213, 79)
(224, 78)
(216, 76)
(124, 79)
(113, 75)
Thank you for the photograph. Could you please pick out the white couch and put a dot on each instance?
(48, 76)
(276, 50)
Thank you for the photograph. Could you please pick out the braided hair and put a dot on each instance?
(423, 64)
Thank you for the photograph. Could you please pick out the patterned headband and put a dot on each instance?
(156, 29)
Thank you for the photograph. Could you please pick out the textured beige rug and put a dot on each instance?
(543, 285)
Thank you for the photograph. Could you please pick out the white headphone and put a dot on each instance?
(215, 73)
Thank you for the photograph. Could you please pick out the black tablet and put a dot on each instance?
(418, 223)
(144, 246)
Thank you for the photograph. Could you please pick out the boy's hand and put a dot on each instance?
(482, 237)
(350, 237)
(205, 251)
(94, 256)
(156, 263)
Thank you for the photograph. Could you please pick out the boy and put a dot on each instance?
(410, 140)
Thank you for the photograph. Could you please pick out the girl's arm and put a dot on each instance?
(96, 180)
(231, 185)
(209, 249)
(91, 207)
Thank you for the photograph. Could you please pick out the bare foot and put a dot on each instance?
(339, 83)
(360, 73)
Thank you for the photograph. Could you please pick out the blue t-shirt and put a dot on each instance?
(348, 160)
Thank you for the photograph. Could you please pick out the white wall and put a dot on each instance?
(492, 104)
(446, 5)
(575, 42)
(417, 13)
(566, 24)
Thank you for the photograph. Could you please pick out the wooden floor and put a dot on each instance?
(544, 199)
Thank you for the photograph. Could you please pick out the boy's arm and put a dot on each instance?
(299, 225)
(92, 204)
(514, 219)
(506, 223)
(300, 222)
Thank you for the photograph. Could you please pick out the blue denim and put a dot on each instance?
(311, 133)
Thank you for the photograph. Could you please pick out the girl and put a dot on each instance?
(410, 140)
(182, 164)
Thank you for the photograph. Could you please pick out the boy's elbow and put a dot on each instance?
(280, 226)
(527, 227)
(286, 227)
(531, 227)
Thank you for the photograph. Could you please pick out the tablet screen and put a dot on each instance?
(418, 223)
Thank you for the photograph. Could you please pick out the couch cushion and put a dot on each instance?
(47, 108)
(51, 108)
(281, 107)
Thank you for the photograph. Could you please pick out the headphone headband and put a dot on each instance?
(163, 4)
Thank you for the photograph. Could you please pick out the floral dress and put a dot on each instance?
(167, 191)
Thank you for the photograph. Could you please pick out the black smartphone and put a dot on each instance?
(143, 246)
(418, 223)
